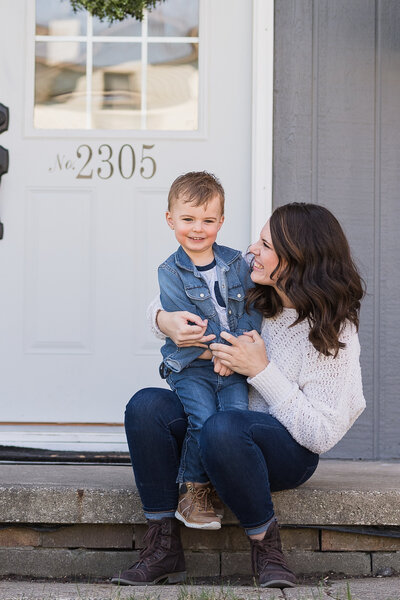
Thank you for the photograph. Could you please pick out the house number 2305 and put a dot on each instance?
(104, 162)
(122, 163)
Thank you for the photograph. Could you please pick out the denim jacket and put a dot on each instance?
(183, 288)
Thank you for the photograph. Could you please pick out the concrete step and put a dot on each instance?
(339, 493)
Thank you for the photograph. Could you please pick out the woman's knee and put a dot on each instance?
(150, 402)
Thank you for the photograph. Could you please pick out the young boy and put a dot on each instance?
(210, 281)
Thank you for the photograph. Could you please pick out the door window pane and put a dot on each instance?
(57, 18)
(175, 18)
(172, 86)
(60, 85)
(117, 76)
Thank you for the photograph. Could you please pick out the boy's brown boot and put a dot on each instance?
(161, 559)
(217, 503)
(195, 508)
(268, 562)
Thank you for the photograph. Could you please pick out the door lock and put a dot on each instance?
(3, 161)
(4, 118)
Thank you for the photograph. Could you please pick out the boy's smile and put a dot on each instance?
(196, 228)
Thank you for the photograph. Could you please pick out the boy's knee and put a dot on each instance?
(217, 429)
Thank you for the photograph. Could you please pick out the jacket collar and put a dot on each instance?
(224, 256)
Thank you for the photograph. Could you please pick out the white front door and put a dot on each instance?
(101, 122)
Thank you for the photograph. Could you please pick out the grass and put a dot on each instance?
(189, 593)
(322, 591)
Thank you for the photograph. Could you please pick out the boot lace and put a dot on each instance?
(264, 552)
(151, 545)
(201, 498)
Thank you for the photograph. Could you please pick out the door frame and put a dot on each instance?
(262, 114)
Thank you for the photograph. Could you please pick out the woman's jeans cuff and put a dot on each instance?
(168, 514)
(260, 528)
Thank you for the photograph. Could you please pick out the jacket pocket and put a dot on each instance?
(236, 300)
(200, 296)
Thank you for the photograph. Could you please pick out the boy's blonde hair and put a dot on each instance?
(197, 188)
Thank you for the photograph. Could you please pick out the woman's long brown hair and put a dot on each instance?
(316, 272)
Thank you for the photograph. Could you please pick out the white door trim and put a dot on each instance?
(262, 114)
(74, 437)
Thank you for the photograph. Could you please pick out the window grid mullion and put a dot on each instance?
(143, 107)
(118, 40)
(89, 71)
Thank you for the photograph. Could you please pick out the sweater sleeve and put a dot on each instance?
(322, 406)
(151, 315)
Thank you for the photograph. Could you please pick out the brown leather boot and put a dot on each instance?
(161, 559)
(268, 562)
(195, 508)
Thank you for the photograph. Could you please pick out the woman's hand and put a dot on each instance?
(242, 357)
(176, 326)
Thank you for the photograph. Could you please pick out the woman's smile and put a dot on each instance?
(265, 258)
(257, 266)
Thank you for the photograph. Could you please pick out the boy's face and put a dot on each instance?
(196, 227)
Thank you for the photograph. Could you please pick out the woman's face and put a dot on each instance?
(266, 260)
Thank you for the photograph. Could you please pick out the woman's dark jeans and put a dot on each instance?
(247, 455)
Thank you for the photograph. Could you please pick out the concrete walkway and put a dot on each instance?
(351, 589)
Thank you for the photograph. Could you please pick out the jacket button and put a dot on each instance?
(201, 295)
(239, 295)
(229, 312)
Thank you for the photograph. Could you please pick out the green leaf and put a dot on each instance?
(115, 10)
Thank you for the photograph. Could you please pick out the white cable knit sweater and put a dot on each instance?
(317, 398)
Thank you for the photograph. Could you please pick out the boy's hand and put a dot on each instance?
(221, 369)
(184, 328)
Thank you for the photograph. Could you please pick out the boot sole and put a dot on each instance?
(277, 583)
(168, 578)
(213, 525)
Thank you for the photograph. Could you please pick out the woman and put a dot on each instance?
(305, 393)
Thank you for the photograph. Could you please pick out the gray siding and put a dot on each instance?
(337, 143)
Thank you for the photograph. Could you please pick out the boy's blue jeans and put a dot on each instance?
(203, 393)
(247, 455)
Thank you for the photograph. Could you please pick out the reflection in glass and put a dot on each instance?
(172, 86)
(57, 18)
(175, 18)
(127, 27)
(116, 94)
(60, 85)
